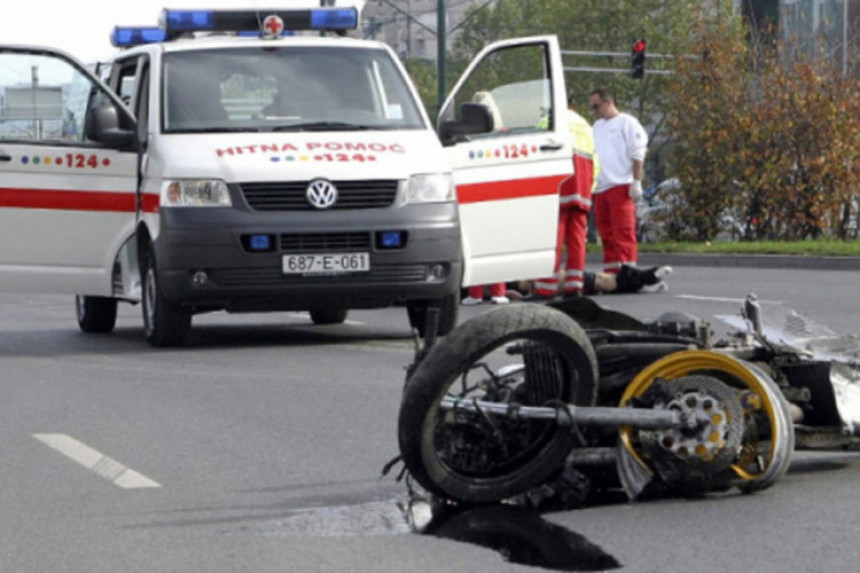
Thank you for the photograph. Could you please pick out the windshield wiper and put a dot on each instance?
(323, 126)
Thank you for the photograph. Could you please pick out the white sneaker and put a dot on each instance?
(501, 300)
(471, 301)
(662, 272)
(658, 287)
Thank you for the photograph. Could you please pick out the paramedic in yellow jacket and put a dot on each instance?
(575, 202)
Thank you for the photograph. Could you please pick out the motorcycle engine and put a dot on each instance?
(680, 324)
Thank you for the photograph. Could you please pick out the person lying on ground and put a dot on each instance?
(629, 279)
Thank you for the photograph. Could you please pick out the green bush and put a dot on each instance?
(771, 142)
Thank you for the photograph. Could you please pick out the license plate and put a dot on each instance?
(326, 263)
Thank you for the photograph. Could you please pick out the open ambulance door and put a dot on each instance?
(508, 169)
(68, 175)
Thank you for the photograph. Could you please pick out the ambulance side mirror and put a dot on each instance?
(107, 124)
(474, 118)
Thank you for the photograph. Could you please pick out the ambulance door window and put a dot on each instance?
(514, 84)
(42, 99)
(103, 71)
(123, 79)
(141, 104)
(67, 202)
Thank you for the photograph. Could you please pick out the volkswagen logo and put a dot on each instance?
(321, 194)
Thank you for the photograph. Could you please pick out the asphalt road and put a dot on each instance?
(259, 446)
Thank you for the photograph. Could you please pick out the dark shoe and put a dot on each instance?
(573, 294)
(630, 279)
(633, 279)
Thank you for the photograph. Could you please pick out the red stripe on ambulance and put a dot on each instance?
(117, 202)
(516, 189)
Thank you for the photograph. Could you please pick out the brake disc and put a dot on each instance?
(694, 456)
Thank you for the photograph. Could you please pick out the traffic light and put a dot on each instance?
(637, 63)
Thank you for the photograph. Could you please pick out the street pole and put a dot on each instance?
(409, 30)
(845, 38)
(441, 40)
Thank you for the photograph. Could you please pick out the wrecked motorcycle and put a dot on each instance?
(523, 394)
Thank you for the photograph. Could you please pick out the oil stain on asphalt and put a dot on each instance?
(520, 535)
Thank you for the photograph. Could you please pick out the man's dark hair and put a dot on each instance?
(604, 94)
(571, 97)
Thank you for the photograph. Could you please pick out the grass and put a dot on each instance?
(822, 248)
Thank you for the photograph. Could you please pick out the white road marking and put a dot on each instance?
(721, 299)
(97, 462)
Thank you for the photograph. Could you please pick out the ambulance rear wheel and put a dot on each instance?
(96, 313)
(164, 322)
(329, 316)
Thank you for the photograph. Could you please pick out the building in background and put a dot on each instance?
(409, 26)
(827, 29)
(817, 29)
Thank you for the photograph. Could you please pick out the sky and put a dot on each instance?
(83, 27)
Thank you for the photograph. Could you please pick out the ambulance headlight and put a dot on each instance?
(195, 193)
(430, 188)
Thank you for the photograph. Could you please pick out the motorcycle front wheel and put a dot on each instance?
(518, 355)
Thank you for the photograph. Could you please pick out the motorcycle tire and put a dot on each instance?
(478, 457)
(782, 435)
(772, 441)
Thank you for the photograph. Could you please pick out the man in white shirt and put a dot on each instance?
(620, 142)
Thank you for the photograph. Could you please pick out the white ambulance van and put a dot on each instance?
(218, 162)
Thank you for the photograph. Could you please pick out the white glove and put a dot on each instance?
(635, 191)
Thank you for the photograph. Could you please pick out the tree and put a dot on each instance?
(771, 141)
(423, 75)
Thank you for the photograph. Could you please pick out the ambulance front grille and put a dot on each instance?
(318, 242)
(291, 195)
(269, 277)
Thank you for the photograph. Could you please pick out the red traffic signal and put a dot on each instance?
(637, 63)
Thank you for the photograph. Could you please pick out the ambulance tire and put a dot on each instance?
(164, 322)
(449, 309)
(96, 313)
(329, 316)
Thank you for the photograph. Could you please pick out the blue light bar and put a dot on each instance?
(133, 36)
(187, 20)
(337, 19)
(180, 21)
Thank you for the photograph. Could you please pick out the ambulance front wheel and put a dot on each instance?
(448, 313)
(164, 322)
(96, 313)
(329, 316)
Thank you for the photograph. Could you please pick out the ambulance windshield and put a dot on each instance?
(285, 88)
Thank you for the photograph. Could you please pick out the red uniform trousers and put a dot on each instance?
(572, 226)
(615, 218)
(575, 199)
(497, 289)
